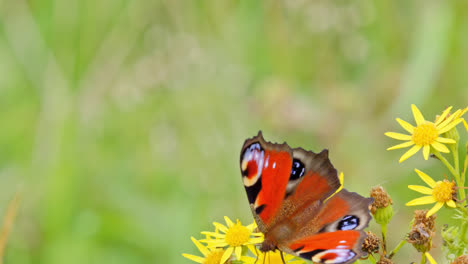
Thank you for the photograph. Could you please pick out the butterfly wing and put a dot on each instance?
(265, 171)
(279, 180)
(339, 239)
(334, 247)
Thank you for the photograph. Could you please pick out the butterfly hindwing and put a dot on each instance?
(341, 220)
(344, 211)
(332, 247)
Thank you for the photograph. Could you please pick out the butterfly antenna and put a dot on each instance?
(282, 257)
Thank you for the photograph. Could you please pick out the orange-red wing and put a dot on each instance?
(265, 168)
(344, 211)
(312, 188)
(275, 177)
(331, 247)
(334, 209)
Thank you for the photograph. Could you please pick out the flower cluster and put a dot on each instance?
(232, 242)
(438, 139)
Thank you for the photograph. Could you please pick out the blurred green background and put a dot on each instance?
(122, 121)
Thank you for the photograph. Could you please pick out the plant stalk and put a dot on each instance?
(394, 251)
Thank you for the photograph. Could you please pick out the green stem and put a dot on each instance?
(461, 177)
(372, 259)
(463, 236)
(384, 238)
(423, 258)
(448, 165)
(394, 251)
(463, 229)
(465, 165)
(456, 161)
(463, 209)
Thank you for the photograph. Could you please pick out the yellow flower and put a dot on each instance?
(440, 192)
(271, 257)
(426, 134)
(210, 256)
(235, 236)
(430, 258)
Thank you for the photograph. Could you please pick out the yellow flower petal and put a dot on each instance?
(238, 252)
(446, 140)
(465, 124)
(214, 243)
(402, 145)
(442, 117)
(440, 147)
(409, 153)
(463, 111)
(421, 201)
(200, 247)
(398, 136)
(429, 257)
(449, 119)
(418, 117)
(426, 151)
(451, 203)
(213, 234)
(248, 260)
(407, 126)
(256, 240)
(420, 189)
(428, 180)
(449, 126)
(194, 258)
(220, 227)
(434, 209)
(228, 221)
(227, 254)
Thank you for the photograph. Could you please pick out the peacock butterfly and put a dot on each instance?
(294, 200)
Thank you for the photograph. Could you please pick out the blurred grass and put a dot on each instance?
(124, 119)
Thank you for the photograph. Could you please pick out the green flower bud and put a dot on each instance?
(381, 208)
(383, 215)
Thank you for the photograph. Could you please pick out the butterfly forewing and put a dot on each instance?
(265, 171)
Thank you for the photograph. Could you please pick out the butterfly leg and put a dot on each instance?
(256, 254)
(282, 257)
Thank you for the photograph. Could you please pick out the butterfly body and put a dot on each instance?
(294, 198)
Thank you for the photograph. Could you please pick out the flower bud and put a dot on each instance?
(422, 231)
(420, 218)
(420, 237)
(371, 243)
(384, 260)
(463, 259)
(381, 208)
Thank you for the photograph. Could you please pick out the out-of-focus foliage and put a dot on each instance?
(123, 120)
